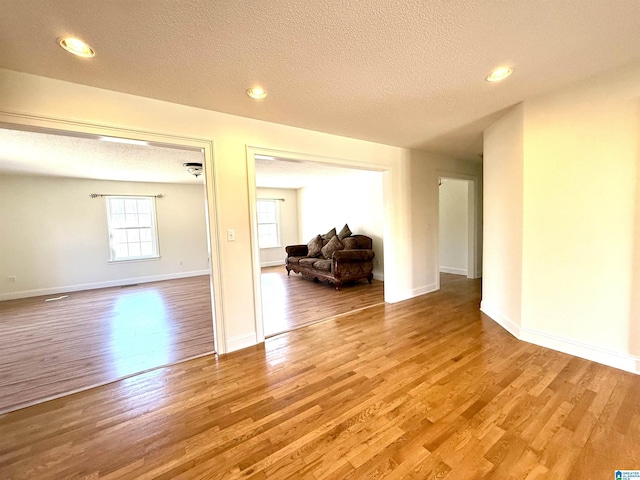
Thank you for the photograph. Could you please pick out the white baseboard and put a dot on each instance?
(477, 275)
(620, 360)
(275, 263)
(509, 325)
(407, 294)
(611, 358)
(240, 342)
(95, 285)
(378, 276)
(455, 271)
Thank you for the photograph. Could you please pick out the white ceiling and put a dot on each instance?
(287, 173)
(37, 153)
(406, 73)
(57, 155)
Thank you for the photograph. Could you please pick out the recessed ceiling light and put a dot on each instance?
(499, 74)
(126, 141)
(257, 93)
(77, 47)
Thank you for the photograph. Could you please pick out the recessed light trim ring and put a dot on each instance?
(257, 93)
(499, 73)
(76, 47)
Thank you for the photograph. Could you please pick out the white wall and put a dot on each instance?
(579, 209)
(454, 226)
(37, 101)
(288, 224)
(356, 201)
(502, 216)
(581, 156)
(54, 237)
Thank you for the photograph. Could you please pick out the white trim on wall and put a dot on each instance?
(255, 246)
(611, 358)
(252, 150)
(455, 271)
(40, 123)
(275, 263)
(622, 361)
(407, 294)
(509, 325)
(106, 284)
(240, 342)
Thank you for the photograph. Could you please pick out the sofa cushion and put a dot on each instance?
(357, 242)
(333, 246)
(295, 260)
(345, 232)
(330, 234)
(350, 243)
(322, 264)
(307, 262)
(315, 247)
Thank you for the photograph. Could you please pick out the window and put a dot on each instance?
(132, 228)
(268, 223)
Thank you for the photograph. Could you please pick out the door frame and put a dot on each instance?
(36, 123)
(252, 150)
(473, 210)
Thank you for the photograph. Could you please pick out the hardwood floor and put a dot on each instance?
(50, 348)
(290, 302)
(426, 388)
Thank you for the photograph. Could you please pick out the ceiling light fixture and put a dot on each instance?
(77, 47)
(257, 93)
(498, 74)
(194, 169)
(126, 141)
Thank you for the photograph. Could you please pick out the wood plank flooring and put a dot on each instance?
(290, 302)
(426, 388)
(50, 348)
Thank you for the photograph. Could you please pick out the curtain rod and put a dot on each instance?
(279, 199)
(96, 195)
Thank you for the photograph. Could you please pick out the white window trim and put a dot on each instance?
(276, 204)
(154, 230)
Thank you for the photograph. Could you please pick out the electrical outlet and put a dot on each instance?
(11, 279)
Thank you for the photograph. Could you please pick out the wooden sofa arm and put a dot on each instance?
(297, 250)
(353, 255)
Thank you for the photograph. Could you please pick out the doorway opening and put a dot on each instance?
(457, 226)
(100, 318)
(313, 195)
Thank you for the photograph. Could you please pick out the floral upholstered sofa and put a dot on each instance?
(336, 257)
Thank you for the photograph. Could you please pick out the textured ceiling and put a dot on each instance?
(406, 73)
(286, 173)
(57, 155)
(36, 153)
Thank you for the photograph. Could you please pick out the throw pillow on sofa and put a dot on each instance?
(315, 247)
(333, 246)
(329, 235)
(345, 232)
